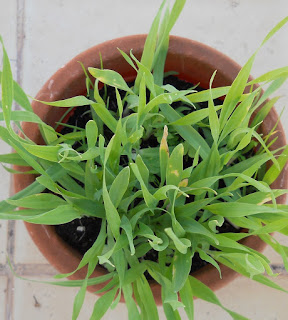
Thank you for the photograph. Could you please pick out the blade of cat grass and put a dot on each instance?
(238, 209)
(263, 112)
(76, 101)
(205, 293)
(119, 186)
(111, 78)
(7, 86)
(194, 117)
(105, 116)
(12, 158)
(181, 269)
(61, 214)
(238, 115)
(38, 201)
(66, 283)
(163, 42)
(270, 76)
(186, 295)
(25, 116)
(187, 132)
(112, 214)
(79, 299)
(91, 254)
(274, 171)
(103, 303)
(19, 96)
(133, 313)
(55, 172)
(274, 86)
(150, 45)
(147, 299)
(170, 313)
(161, 50)
(240, 81)
(213, 117)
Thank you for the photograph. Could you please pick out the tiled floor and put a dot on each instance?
(40, 37)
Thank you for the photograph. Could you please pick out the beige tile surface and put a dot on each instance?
(54, 303)
(8, 26)
(25, 249)
(53, 37)
(244, 296)
(3, 288)
(249, 298)
(56, 32)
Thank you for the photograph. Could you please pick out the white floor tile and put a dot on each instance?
(3, 287)
(3, 241)
(249, 298)
(25, 249)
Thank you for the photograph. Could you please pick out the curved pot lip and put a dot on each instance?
(65, 82)
(176, 43)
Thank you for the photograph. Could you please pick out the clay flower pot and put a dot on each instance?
(195, 63)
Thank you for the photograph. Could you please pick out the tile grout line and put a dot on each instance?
(10, 277)
(20, 36)
(29, 269)
(45, 269)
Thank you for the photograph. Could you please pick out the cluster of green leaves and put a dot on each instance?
(209, 166)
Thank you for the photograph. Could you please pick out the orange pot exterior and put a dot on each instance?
(195, 63)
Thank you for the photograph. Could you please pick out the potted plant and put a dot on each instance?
(161, 169)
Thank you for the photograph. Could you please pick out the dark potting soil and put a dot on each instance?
(81, 233)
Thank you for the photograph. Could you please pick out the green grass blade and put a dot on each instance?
(270, 76)
(62, 214)
(188, 133)
(127, 227)
(204, 95)
(146, 296)
(79, 299)
(194, 117)
(150, 45)
(77, 101)
(111, 78)
(91, 133)
(119, 186)
(49, 153)
(238, 209)
(181, 269)
(25, 116)
(38, 201)
(12, 158)
(105, 116)
(112, 214)
(263, 112)
(274, 30)
(19, 96)
(102, 304)
(213, 117)
(205, 293)
(274, 171)
(186, 295)
(7, 86)
(133, 313)
(175, 166)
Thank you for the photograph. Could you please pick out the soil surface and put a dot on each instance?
(82, 233)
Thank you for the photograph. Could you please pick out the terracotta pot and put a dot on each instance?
(195, 63)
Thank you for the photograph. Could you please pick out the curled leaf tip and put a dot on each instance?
(164, 144)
